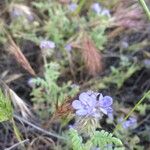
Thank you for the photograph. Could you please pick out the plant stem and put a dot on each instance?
(16, 131)
(142, 2)
(78, 10)
(38, 128)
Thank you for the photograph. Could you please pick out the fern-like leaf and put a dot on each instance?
(48, 90)
(76, 140)
(105, 140)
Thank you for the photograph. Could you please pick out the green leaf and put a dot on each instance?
(102, 139)
(76, 140)
(6, 111)
(49, 90)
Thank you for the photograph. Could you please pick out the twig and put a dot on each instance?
(142, 2)
(38, 128)
(17, 144)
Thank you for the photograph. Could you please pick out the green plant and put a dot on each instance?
(76, 140)
(49, 91)
(142, 108)
(57, 25)
(98, 36)
(60, 30)
(6, 111)
(118, 75)
(100, 139)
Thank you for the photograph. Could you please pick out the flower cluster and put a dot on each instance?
(18, 10)
(47, 44)
(72, 7)
(130, 123)
(93, 104)
(147, 63)
(31, 83)
(68, 47)
(98, 9)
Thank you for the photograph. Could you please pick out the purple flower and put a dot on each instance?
(31, 83)
(30, 17)
(73, 7)
(124, 44)
(130, 123)
(86, 105)
(18, 10)
(95, 148)
(71, 126)
(96, 8)
(105, 12)
(105, 104)
(47, 44)
(68, 48)
(16, 13)
(89, 105)
(147, 63)
(99, 10)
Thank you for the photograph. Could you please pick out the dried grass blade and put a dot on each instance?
(92, 58)
(19, 56)
(16, 100)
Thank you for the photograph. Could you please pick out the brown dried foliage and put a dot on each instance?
(129, 14)
(65, 109)
(19, 56)
(62, 111)
(92, 59)
(17, 102)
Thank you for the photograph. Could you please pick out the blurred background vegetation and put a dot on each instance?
(51, 50)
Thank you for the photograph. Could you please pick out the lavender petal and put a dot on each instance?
(106, 101)
(83, 97)
(68, 48)
(73, 7)
(47, 44)
(96, 8)
(76, 104)
(81, 112)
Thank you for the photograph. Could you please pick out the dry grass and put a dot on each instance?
(18, 103)
(13, 49)
(91, 57)
(129, 14)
